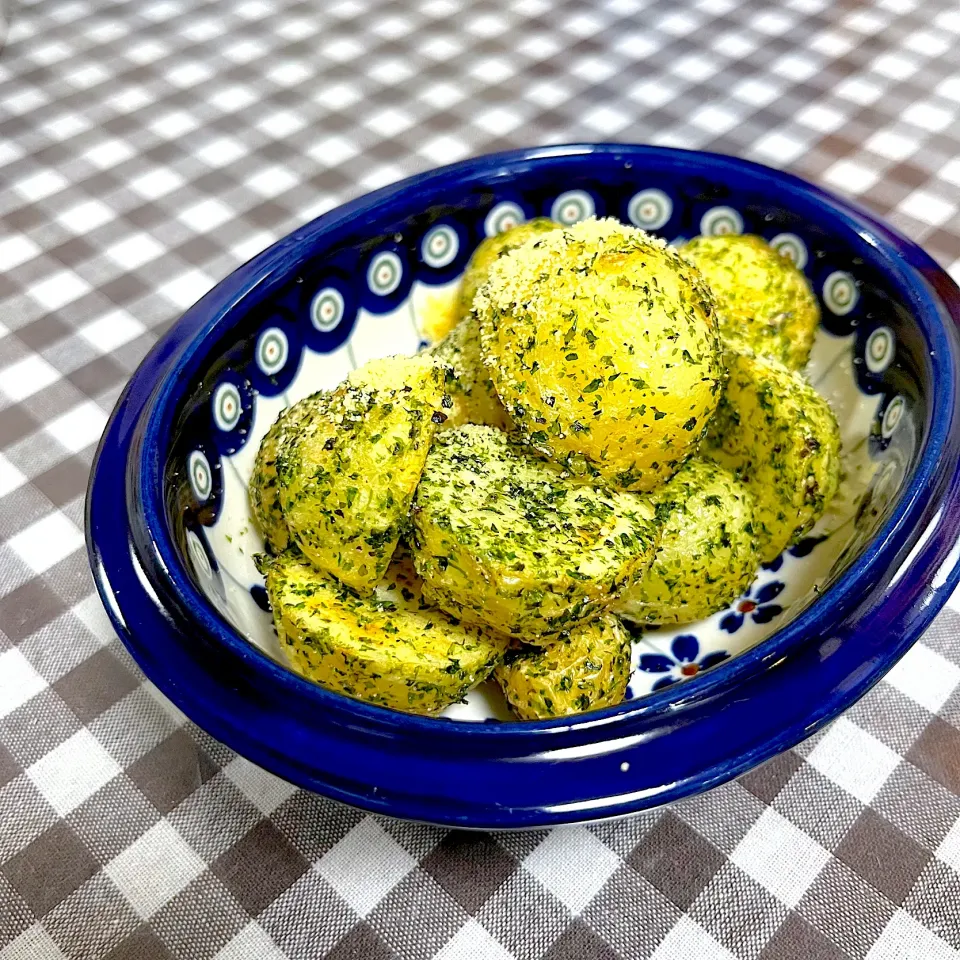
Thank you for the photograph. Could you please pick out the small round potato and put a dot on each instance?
(708, 551)
(490, 249)
(762, 298)
(781, 440)
(585, 668)
(391, 648)
(263, 488)
(501, 540)
(472, 397)
(347, 474)
(603, 346)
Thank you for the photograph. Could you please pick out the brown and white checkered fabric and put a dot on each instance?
(147, 147)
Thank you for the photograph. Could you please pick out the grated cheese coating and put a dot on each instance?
(602, 344)
(585, 668)
(709, 551)
(503, 541)
(490, 249)
(780, 439)
(347, 474)
(391, 648)
(473, 398)
(762, 298)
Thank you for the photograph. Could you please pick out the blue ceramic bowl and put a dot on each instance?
(170, 544)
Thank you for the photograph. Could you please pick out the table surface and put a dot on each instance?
(147, 147)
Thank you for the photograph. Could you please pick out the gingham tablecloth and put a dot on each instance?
(147, 147)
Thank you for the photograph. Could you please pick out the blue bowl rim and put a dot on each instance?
(907, 511)
(123, 445)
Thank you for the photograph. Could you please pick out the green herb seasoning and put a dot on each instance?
(347, 474)
(390, 648)
(708, 551)
(585, 668)
(502, 540)
(490, 250)
(602, 343)
(762, 298)
(263, 487)
(471, 397)
(781, 440)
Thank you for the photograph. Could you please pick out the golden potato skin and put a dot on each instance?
(392, 648)
(501, 540)
(708, 551)
(781, 440)
(263, 488)
(602, 343)
(347, 475)
(468, 385)
(585, 668)
(490, 249)
(762, 298)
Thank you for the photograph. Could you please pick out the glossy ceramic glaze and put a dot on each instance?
(378, 277)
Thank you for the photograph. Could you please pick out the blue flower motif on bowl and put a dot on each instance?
(757, 603)
(684, 661)
(802, 548)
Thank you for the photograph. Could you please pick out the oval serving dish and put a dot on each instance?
(171, 544)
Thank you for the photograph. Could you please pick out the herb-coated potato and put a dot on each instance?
(708, 549)
(490, 249)
(472, 397)
(781, 440)
(348, 472)
(762, 298)
(391, 648)
(603, 346)
(501, 540)
(263, 489)
(585, 668)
